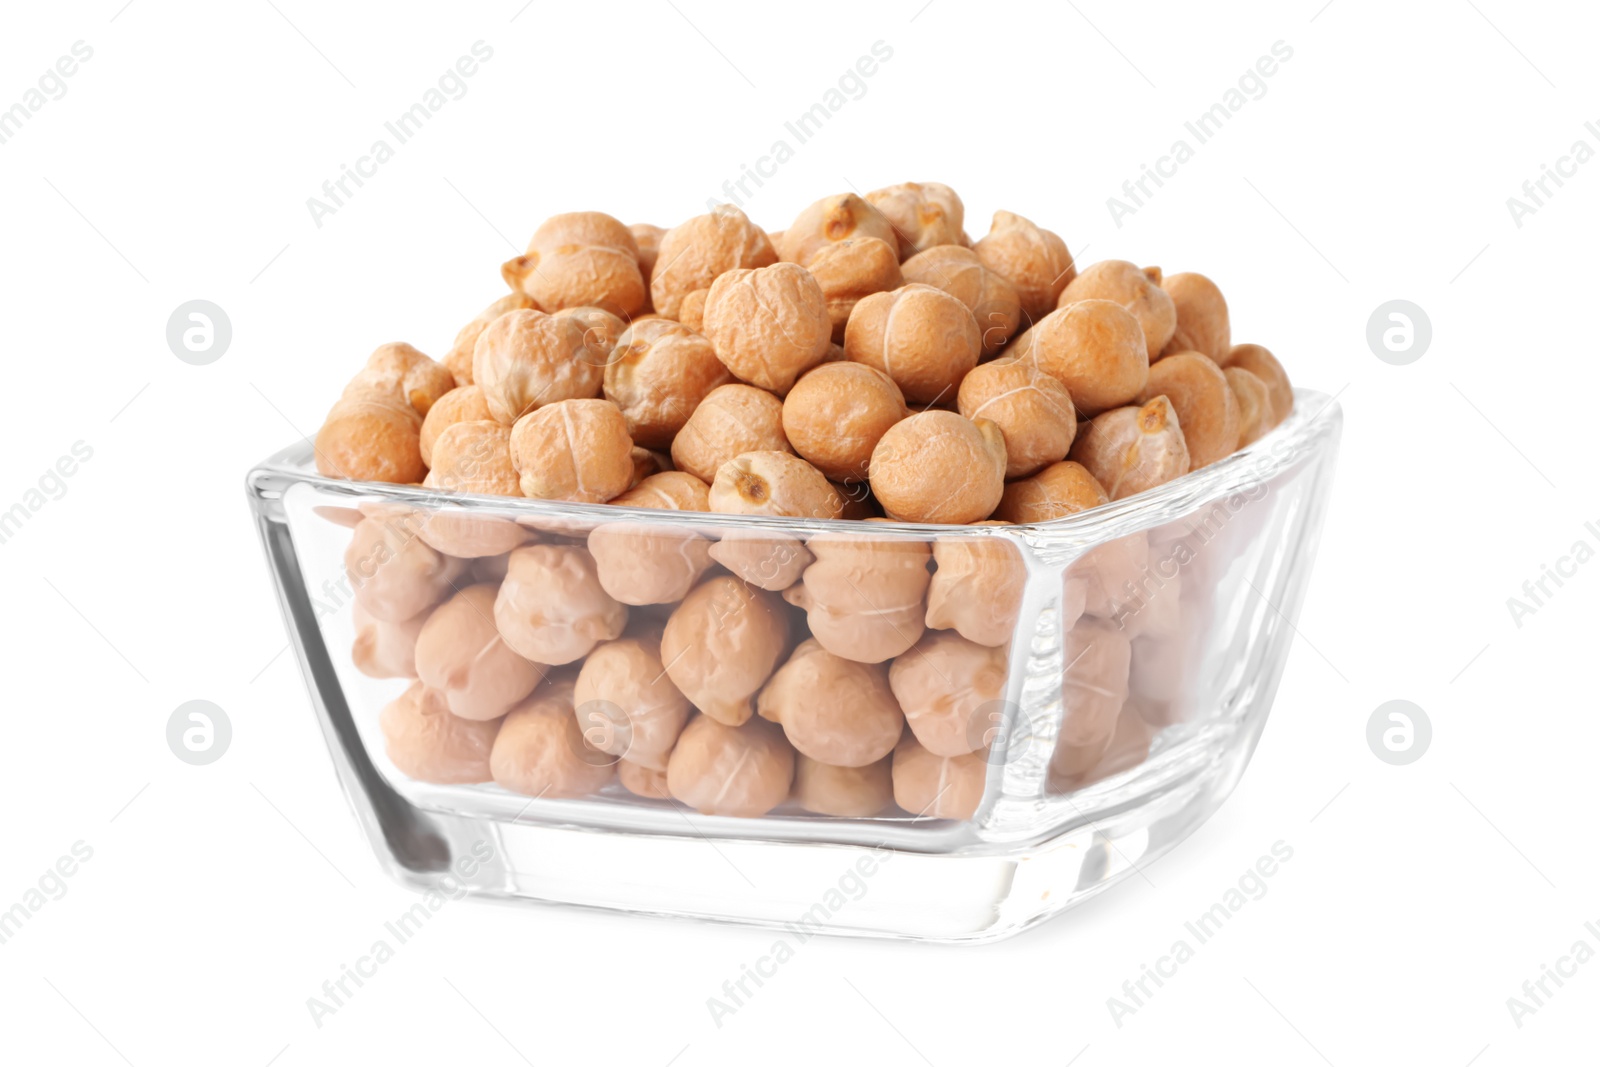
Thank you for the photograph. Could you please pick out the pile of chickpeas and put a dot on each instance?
(870, 362)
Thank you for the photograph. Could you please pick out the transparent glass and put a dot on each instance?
(1082, 693)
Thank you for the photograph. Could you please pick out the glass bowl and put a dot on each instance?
(1089, 690)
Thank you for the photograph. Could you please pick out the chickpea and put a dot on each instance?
(395, 575)
(767, 561)
(1093, 347)
(464, 403)
(461, 654)
(1138, 291)
(385, 649)
(937, 466)
(719, 769)
(843, 792)
(731, 420)
(1126, 748)
(864, 597)
(922, 337)
(977, 587)
(1208, 412)
(1102, 576)
(584, 258)
(952, 692)
(668, 490)
(692, 254)
(1064, 488)
(541, 750)
(829, 221)
(552, 608)
(923, 214)
(1132, 449)
(1255, 403)
(626, 704)
(601, 329)
(413, 377)
(647, 564)
(832, 709)
(1094, 682)
(526, 359)
(1202, 316)
(642, 781)
(427, 743)
(769, 325)
(837, 413)
(722, 643)
(776, 484)
(371, 439)
(692, 312)
(1264, 365)
(459, 358)
(851, 269)
(1032, 409)
(575, 450)
(474, 457)
(937, 787)
(658, 373)
(992, 299)
(1031, 258)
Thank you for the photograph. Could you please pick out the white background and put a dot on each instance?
(1377, 166)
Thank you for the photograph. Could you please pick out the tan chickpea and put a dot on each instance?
(851, 269)
(772, 562)
(731, 420)
(658, 373)
(836, 415)
(626, 704)
(470, 536)
(843, 792)
(584, 258)
(832, 709)
(642, 781)
(952, 692)
(412, 376)
(769, 325)
(692, 311)
(396, 575)
(937, 466)
(1126, 748)
(719, 769)
(1202, 316)
(575, 450)
(385, 649)
(601, 329)
(937, 787)
(1255, 403)
(721, 645)
(1032, 409)
(776, 484)
(462, 654)
(541, 750)
(1208, 412)
(551, 608)
(428, 743)
(474, 457)
(923, 338)
(1099, 581)
(1031, 258)
(647, 564)
(864, 596)
(371, 438)
(1094, 683)
(1138, 291)
(977, 587)
(1132, 449)
(668, 490)
(526, 359)
(992, 299)
(1093, 347)
(829, 221)
(464, 403)
(1064, 488)
(692, 254)
(459, 358)
(923, 214)
(1264, 365)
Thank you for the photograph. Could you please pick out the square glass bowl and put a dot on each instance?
(1088, 692)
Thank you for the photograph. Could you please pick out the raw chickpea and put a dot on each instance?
(1031, 258)
(1032, 409)
(776, 484)
(526, 359)
(851, 269)
(371, 439)
(1132, 449)
(863, 596)
(992, 299)
(937, 787)
(923, 214)
(836, 415)
(977, 587)
(731, 420)
(575, 450)
(464, 403)
(412, 376)
(385, 649)
(541, 750)
(427, 743)
(768, 326)
(922, 337)
(1264, 365)
(474, 457)
(1093, 347)
(1202, 316)
(772, 562)
(951, 691)
(1139, 291)
(626, 704)
(642, 781)
(719, 769)
(1099, 580)
(668, 490)
(1064, 488)
(658, 373)
(722, 643)
(459, 358)
(832, 709)
(1255, 403)
(1153, 608)
(1207, 410)
(646, 564)
(395, 575)
(1126, 748)
(584, 258)
(692, 254)
(829, 221)
(551, 607)
(1094, 683)
(937, 466)
(844, 792)
(601, 329)
(462, 654)
(692, 311)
